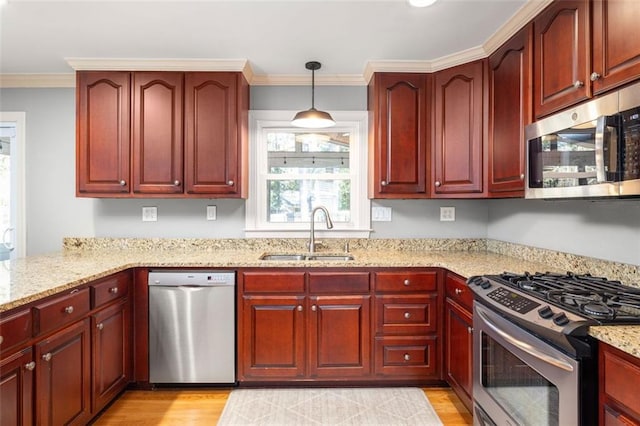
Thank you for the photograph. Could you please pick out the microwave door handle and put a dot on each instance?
(535, 352)
(601, 128)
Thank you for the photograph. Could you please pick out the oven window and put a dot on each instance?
(521, 391)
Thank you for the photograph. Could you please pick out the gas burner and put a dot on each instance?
(599, 310)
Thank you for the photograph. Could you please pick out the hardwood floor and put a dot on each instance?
(204, 407)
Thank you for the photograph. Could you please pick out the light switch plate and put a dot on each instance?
(381, 214)
(149, 214)
(212, 212)
(447, 214)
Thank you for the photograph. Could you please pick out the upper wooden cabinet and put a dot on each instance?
(616, 44)
(162, 134)
(510, 111)
(458, 121)
(561, 56)
(398, 120)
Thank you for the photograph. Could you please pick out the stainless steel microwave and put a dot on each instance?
(592, 150)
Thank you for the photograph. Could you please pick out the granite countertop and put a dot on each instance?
(84, 260)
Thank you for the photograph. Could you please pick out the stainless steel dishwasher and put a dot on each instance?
(192, 327)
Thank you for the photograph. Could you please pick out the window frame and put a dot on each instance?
(256, 224)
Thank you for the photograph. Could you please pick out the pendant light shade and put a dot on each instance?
(313, 118)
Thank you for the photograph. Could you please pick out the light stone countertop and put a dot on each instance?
(29, 279)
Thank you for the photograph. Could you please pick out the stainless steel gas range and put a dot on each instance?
(534, 362)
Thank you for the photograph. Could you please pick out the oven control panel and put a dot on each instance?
(513, 300)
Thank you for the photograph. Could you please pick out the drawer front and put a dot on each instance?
(15, 329)
(457, 290)
(61, 310)
(406, 281)
(407, 357)
(272, 282)
(338, 282)
(111, 288)
(410, 314)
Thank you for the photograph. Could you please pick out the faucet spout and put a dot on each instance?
(312, 237)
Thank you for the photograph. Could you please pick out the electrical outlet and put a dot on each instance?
(149, 214)
(447, 214)
(211, 213)
(381, 214)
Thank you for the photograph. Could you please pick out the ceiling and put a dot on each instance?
(275, 37)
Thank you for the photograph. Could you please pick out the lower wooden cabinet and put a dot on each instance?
(16, 388)
(63, 376)
(619, 397)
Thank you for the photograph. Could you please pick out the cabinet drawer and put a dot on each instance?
(272, 282)
(111, 288)
(339, 282)
(15, 329)
(406, 281)
(414, 357)
(620, 370)
(458, 291)
(410, 314)
(61, 310)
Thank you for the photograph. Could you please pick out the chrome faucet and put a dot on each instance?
(312, 237)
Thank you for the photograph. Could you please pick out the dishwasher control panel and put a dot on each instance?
(192, 278)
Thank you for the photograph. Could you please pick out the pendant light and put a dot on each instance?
(312, 118)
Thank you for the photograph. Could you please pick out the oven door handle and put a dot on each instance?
(535, 352)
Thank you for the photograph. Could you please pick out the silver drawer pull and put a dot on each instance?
(123, 182)
(383, 183)
(594, 76)
(314, 308)
(230, 183)
(438, 184)
(299, 308)
(458, 291)
(113, 290)
(578, 84)
(69, 309)
(100, 326)
(406, 282)
(407, 357)
(407, 315)
(30, 366)
(176, 183)
(47, 357)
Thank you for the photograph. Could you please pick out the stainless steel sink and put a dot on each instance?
(307, 256)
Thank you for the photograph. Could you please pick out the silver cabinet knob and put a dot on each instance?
(113, 290)
(406, 282)
(100, 326)
(594, 76)
(47, 357)
(299, 308)
(30, 366)
(176, 182)
(578, 84)
(69, 309)
(469, 330)
(383, 183)
(521, 176)
(437, 183)
(458, 291)
(230, 183)
(407, 357)
(407, 315)
(123, 182)
(314, 308)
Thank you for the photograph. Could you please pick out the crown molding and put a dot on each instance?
(305, 80)
(37, 80)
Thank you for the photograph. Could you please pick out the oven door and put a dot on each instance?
(518, 379)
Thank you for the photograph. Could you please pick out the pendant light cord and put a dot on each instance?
(313, 88)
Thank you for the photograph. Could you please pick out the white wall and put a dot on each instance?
(603, 229)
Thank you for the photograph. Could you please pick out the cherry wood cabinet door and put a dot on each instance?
(103, 102)
(616, 43)
(111, 350)
(458, 130)
(157, 132)
(618, 397)
(458, 350)
(213, 132)
(273, 338)
(398, 104)
(16, 389)
(510, 111)
(340, 336)
(63, 376)
(562, 59)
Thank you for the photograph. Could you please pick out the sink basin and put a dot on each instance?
(307, 256)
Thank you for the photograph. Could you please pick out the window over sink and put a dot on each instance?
(292, 170)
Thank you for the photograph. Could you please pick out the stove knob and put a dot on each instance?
(560, 319)
(485, 284)
(545, 312)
